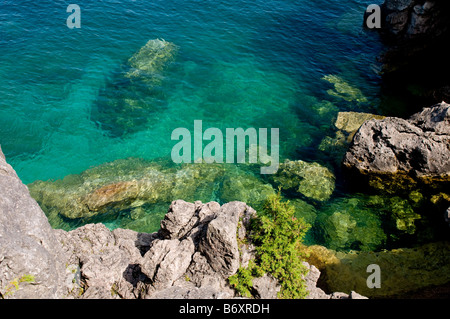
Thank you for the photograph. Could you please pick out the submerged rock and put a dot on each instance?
(403, 270)
(245, 187)
(309, 179)
(141, 190)
(343, 90)
(347, 123)
(350, 122)
(350, 223)
(134, 93)
(395, 155)
(151, 60)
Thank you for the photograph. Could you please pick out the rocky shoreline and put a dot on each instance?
(197, 248)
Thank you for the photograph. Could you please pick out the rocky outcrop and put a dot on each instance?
(415, 31)
(30, 264)
(415, 19)
(192, 255)
(394, 155)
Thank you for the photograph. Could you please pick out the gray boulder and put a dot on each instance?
(394, 155)
(220, 246)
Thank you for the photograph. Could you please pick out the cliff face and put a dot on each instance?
(415, 32)
(28, 245)
(414, 20)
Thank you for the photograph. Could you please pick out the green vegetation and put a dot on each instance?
(13, 285)
(278, 236)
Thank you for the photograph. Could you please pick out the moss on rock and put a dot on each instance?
(309, 179)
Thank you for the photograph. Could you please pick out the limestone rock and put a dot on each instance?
(266, 287)
(220, 245)
(28, 246)
(179, 220)
(395, 154)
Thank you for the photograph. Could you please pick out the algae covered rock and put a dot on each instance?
(245, 187)
(404, 215)
(151, 60)
(403, 270)
(350, 122)
(371, 222)
(107, 189)
(135, 193)
(343, 90)
(309, 179)
(350, 223)
(135, 92)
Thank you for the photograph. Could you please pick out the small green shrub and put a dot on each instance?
(278, 236)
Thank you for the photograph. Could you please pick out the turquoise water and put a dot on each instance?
(239, 64)
(66, 99)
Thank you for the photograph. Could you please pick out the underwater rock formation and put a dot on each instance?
(396, 155)
(350, 122)
(403, 270)
(370, 222)
(343, 90)
(348, 223)
(134, 93)
(192, 255)
(309, 179)
(134, 187)
(151, 59)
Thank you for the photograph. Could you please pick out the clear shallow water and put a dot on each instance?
(239, 64)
